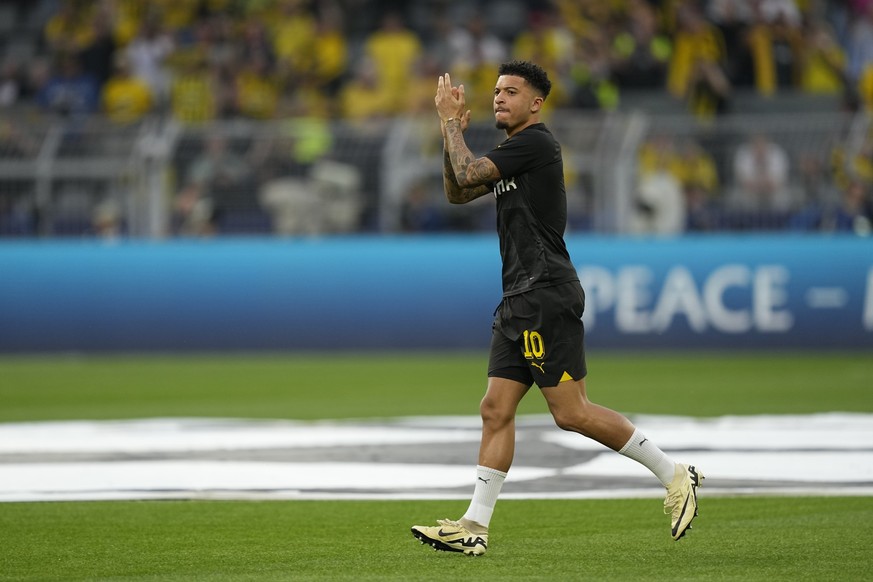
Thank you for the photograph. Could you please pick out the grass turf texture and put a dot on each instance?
(316, 386)
(734, 539)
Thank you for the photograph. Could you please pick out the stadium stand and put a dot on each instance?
(107, 106)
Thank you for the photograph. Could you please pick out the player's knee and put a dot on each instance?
(567, 422)
(572, 420)
(495, 412)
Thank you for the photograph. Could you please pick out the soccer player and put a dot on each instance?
(537, 334)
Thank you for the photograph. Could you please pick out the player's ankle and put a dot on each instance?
(473, 527)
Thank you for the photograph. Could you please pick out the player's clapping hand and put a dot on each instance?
(451, 102)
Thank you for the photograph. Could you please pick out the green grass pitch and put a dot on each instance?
(738, 538)
(733, 539)
(316, 386)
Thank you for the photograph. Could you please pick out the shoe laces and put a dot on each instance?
(450, 522)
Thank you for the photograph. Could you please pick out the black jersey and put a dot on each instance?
(531, 211)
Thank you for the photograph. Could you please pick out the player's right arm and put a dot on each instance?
(455, 193)
(465, 178)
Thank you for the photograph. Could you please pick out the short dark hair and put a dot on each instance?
(530, 72)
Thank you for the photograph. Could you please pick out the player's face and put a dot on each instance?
(514, 102)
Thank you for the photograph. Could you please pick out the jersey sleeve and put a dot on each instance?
(521, 153)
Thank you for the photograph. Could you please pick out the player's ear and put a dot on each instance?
(537, 104)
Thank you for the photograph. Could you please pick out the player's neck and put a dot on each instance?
(514, 130)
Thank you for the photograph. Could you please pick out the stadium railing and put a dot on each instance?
(88, 177)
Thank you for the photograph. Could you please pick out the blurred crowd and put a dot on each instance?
(306, 62)
(200, 60)
(763, 187)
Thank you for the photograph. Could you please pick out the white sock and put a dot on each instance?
(644, 451)
(488, 485)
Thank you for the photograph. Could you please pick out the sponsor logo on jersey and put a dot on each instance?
(504, 186)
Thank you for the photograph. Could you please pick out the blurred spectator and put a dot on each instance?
(696, 168)
(106, 219)
(761, 173)
(421, 210)
(17, 203)
(69, 91)
(471, 45)
(775, 45)
(695, 73)
(34, 77)
(733, 19)
(548, 43)
(177, 17)
(208, 42)
(194, 96)
(10, 83)
(591, 74)
(473, 54)
(255, 42)
(697, 172)
(256, 90)
(851, 162)
(148, 53)
(813, 181)
(422, 88)
(785, 11)
(222, 41)
(294, 36)
(363, 98)
(860, 44)
(15, 141)
(309, 134)
(658, 151)
(307, 101)
(225, 86)
(125, 99)
(215, 182)
(69, 30)
(864, 88)
(659, 205)
(852, 213)
(98, 54)
(824, 61)
(640, 53)
(393, 50)
(126, 18)
(330, 53)
(302, 137)
(327, 200)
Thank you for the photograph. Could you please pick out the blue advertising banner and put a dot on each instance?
(752, 292)
(426, 293)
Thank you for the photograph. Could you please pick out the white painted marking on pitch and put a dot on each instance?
(812, 451)
(818, 467)
(189, 435)
(833, 431)
(242, 475)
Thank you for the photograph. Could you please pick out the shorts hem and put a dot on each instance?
(520, 376)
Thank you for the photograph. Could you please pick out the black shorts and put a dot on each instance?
(538, 336)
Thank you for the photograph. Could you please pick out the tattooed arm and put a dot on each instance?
(465, 178)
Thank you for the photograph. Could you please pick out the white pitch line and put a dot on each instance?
(826, 454)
